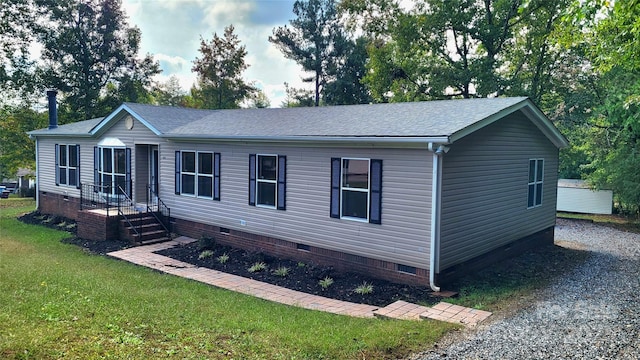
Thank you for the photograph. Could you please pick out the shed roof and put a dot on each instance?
(443, 121)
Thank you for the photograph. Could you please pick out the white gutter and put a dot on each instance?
(37, 178)
(436, 201)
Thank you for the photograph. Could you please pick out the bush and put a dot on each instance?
(206, 243)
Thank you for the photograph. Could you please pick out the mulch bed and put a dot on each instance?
(300, 276)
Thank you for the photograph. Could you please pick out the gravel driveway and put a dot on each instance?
(591, 313)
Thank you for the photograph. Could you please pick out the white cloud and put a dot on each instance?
(171, 30)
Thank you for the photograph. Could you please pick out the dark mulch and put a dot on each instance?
(301, 276)
(69, 225)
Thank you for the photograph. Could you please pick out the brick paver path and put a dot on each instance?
(145, 256)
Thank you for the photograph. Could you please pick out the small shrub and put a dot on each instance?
(256, 267)
(326, 282)
(301, 264)
(206, 243)
(281, 271)
(71, 226)
(364, 289)
(222, 259)
(205, 254)
(62, 224)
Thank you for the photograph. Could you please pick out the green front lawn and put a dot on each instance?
(59, 302)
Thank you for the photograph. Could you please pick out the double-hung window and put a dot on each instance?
(267, 181)
(67, 165)
(356, 189)
(198, 174)
(113, 169)
(536, 181)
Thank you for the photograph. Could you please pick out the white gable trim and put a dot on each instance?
(118, 115)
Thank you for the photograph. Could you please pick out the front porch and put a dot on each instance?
(109, 213)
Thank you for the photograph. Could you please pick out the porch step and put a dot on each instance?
(142, 230)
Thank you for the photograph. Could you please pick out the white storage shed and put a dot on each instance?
(576, 196)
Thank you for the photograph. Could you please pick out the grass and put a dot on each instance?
(59, 302)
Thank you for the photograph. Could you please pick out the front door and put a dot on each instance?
(153, 173)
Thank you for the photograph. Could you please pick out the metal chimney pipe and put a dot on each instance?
(53, 108)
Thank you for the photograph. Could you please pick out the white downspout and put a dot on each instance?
(436, 197)
(37, 189)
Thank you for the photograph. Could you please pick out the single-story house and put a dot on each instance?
(578, 197)
(412, 192)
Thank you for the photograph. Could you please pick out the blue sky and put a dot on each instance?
(171, 31)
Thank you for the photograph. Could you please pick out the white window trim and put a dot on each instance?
(535, 182)
(258, 181)
(367, 190)
(196, 174)
(66, 167)
(199, 174)
(101, 171)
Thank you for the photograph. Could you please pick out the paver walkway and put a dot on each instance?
(145, 256)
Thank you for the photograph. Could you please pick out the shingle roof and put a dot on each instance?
(444, 118)
(80, 128)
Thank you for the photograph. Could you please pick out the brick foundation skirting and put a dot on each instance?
(97, 227)
(513, 249)
(311, 254)
(58, 204)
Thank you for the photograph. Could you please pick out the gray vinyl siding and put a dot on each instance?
(403, 236)
(484, 189)
(46, 156)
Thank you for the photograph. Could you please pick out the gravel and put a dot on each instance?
(592, 312)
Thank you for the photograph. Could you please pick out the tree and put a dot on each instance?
(311, 39)
(220, 84)
(16, 68)
(259, 100)
(297, 97)
(608, 34)
(169, 93)
(347, 87)
(459, 48)
(88, 46)
(16, 149)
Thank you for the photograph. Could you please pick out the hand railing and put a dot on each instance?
(159, 209)
(127, 210)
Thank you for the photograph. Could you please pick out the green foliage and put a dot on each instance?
(461, 48)
(206, 243)
(614, 138)
(364, 289)
(325, 282)
(257, 267)
(89, 49)
(317, 41)
(169, 93)
(205, 254)
(219, 69)
(222, 259)
(16, 149)
(282, 271)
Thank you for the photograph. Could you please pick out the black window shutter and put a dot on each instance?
(127, 177)
(252, 179)
(216, 176)
(178, 173)
(78, 185)
(282, 182)
(336, 165)
(96, 167)
(375, 192)
(57, 164)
